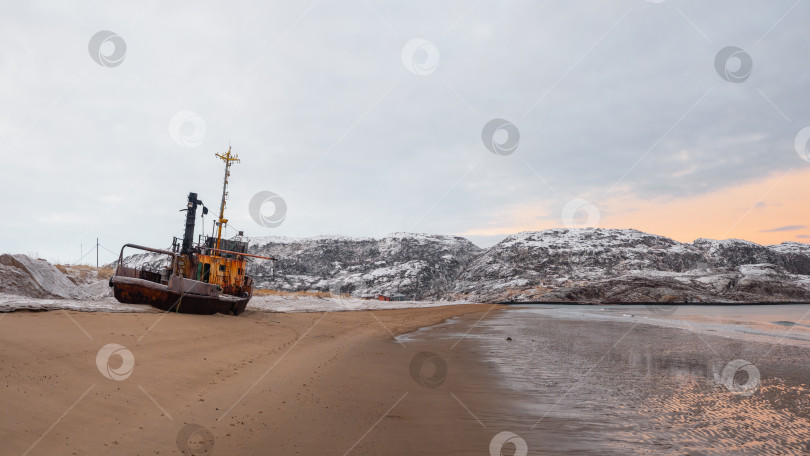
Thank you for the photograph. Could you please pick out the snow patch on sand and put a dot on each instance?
(13, 303)
(296, 304)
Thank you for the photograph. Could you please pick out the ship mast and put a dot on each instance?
(228, 159)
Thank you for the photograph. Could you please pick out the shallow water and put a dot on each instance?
(778, 323)
(637, 380)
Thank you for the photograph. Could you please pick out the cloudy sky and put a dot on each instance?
(478, 118)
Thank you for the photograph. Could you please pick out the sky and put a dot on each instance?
(362, 118)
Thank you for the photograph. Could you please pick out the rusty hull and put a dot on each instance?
(131, 290)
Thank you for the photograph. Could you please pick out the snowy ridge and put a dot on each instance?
(419, 266)
(146, 260)
(561, 265)
(294, 240)
(791, 247)
(613, 265)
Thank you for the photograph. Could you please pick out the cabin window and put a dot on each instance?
(222, 267)
(203, 272)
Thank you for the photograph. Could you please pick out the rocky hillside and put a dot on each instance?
(558, 265)
(602, 265)
(416, 265)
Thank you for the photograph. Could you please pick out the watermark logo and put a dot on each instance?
(580, 213)
(662, 308)
(802, 144)
(733, 64)
(343, 288)
(107, 48)
(741, 377)
(195, 440)
(508, 439)
(124, 370)
(500, 137)
(187, 129)
(420, 56)
(428, 369)
(258, 209)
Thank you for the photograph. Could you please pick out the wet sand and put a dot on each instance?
(580, 386)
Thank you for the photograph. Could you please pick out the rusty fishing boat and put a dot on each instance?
(206, 277)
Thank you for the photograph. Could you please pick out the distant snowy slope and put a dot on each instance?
(562, 265)
(416, 265)
(612, 265)
(148, 260)
(794, 257)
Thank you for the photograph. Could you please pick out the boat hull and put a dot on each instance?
(130, 290)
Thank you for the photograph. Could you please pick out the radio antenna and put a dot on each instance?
(229, 159)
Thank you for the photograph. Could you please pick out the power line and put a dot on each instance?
(88, 253)
(96, 250)
(105, 248)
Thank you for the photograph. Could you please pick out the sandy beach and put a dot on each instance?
(440, 380)
(261, 383)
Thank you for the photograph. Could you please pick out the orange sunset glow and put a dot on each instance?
(754, 211)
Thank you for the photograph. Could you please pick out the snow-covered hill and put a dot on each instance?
(608, 265)
(559, 265)
(419, 266)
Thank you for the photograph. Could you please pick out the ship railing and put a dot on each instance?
(230, 252)
(126, 271)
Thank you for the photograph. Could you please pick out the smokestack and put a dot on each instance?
(191, 215)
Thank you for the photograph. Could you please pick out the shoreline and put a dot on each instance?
(291, 303)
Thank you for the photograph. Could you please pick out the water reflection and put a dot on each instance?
(628, 381)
